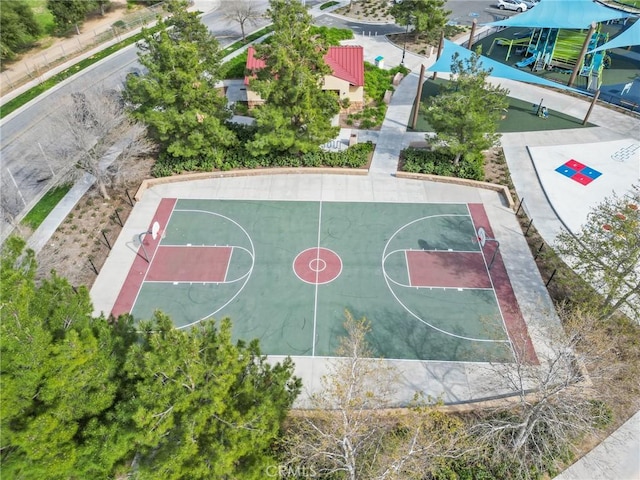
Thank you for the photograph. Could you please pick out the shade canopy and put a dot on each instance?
(629, 37)
(500, 70)
(569, 14)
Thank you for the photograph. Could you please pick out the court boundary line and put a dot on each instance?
(248, 275)
(315, 299)
(146, 273)
(386, 277)
(495, 292)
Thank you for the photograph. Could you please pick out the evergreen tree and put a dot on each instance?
(424, 15)
(68, 13)
(81, 396)
(177, 97)
(465, 114)
(296, 116)
(59, 376)
(204, 406)
(19, 28)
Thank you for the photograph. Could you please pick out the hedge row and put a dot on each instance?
(440, 162)
(356, 156)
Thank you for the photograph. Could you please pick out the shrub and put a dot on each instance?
(234, 68)
(440, 162)
(324, 6)
(332, 35)
(356, 156)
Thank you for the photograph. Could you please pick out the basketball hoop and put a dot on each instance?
(155, 228)
(481, 235)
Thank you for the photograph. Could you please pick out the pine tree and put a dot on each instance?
(204, 406)
(177, 97)
(465, 114)
(59, 376)
(296, 116)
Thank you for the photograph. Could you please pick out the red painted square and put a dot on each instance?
(575, 165)
(447, 269)
(189, 264)
(583, 179)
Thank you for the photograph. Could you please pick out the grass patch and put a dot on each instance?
(43, 16)
(520, 115)
(631, 3)
(239, 44)
(46, 204)
(327, 5)
(32, 93)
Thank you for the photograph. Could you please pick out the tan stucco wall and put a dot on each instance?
(354, 94)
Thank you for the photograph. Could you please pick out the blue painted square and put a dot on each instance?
(590, 172)
(566, 171)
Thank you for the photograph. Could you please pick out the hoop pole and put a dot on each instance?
(144, 249)
(495, 252)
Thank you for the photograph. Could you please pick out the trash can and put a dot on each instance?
(379, 61)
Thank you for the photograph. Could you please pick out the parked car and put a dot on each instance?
(515, 5)
(529, 3)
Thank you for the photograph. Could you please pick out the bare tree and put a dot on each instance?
(350, 431)
(96, 134)
(555, 402)
(11, 201)
(243, 12)
(606, 254)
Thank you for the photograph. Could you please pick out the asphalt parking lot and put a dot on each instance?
(463, 12)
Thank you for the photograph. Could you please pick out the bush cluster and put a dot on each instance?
(440, 162)
(225, 159)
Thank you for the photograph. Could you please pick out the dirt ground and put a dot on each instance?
(81, 245)
(49, 51)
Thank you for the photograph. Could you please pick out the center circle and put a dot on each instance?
(317, 266)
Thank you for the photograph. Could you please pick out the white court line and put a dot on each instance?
(228, 265)
(387, 278)
(248, 274)
(495, 295)
(144, 279)
(406, 261)
(315, 300)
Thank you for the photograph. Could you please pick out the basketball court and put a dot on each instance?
(430, 277)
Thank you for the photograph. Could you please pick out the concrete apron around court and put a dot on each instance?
(454, 382)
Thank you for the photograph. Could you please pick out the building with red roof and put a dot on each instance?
(346, 80)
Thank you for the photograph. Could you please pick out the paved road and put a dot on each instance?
(28, 157)
(29, 162)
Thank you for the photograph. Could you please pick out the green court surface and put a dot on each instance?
(285, 272)
(520, 115)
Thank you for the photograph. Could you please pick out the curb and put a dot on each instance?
(501, 189)
(188, 177)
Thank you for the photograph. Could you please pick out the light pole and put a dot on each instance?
(404, 47)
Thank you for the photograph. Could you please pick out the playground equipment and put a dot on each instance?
(503, 42)
(560, 49)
